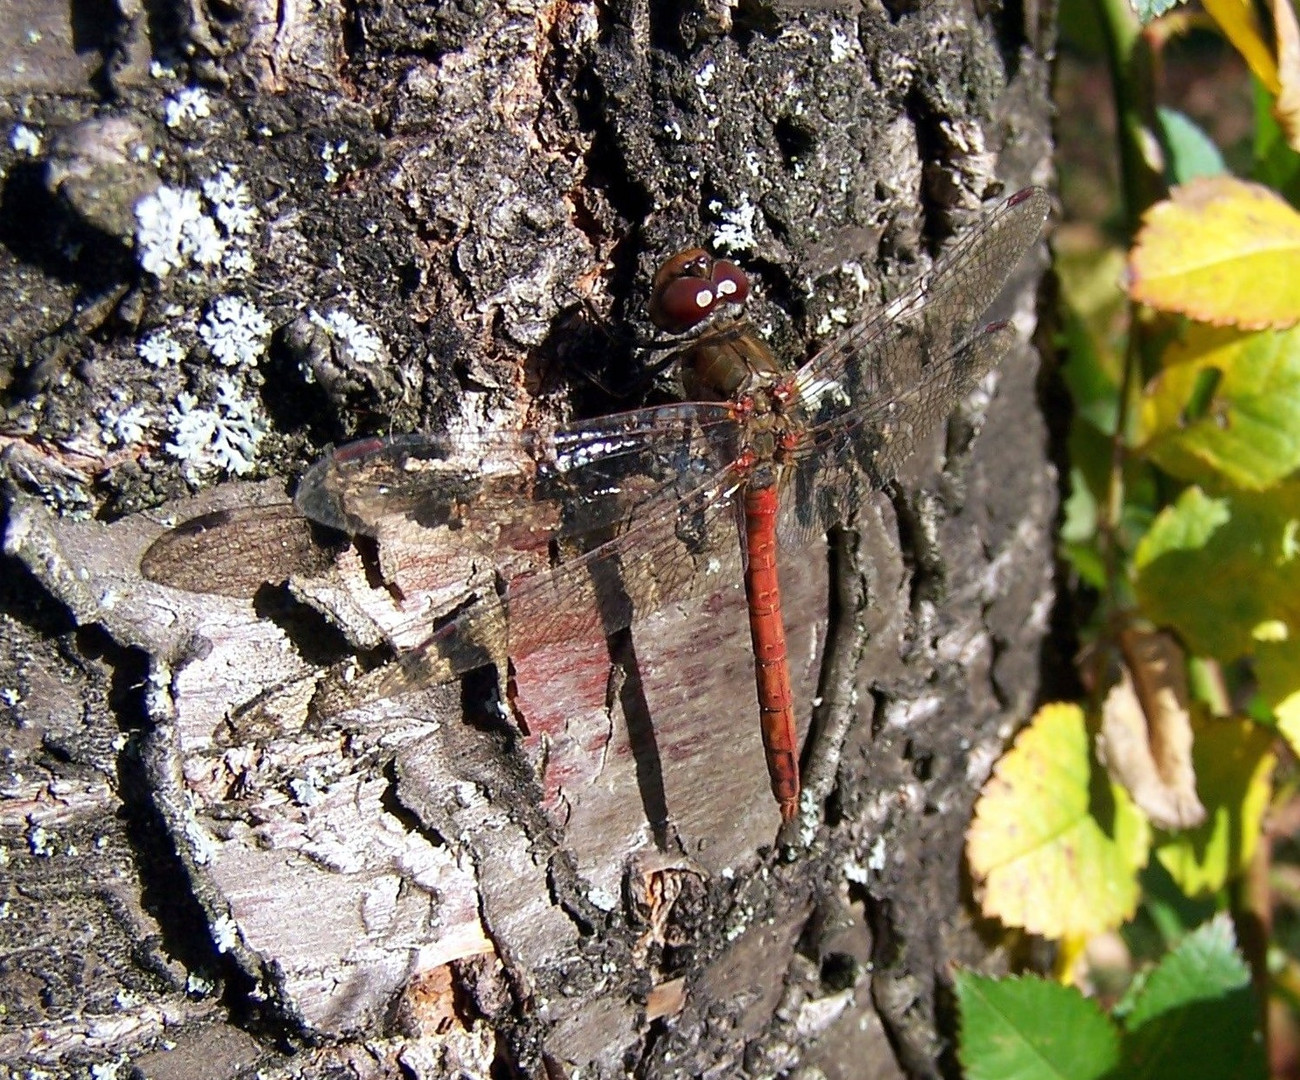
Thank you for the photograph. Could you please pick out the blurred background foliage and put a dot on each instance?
(1148, 827)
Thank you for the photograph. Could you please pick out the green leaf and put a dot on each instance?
(1224, 573)
(1196, 1017)
(1276, 164)
(1095, 321)
(1167, 916)
(1226, 407)
(1190, 151)
(1187, 526)
(1031, 1029)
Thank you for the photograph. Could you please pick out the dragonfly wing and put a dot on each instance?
(683, 544)
(884, 357)
(617, 517)
(870, 397)
(827, 475)
(234, 552)
(519, 489)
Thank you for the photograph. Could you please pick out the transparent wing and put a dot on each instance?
(884, 356)
(625, 514)
(683, 544)
(870, 397)
(233, 552)
(521, 488)
(866, 447)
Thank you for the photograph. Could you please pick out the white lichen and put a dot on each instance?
(829, 319)
(231, 202)
(238, 260)
(602, 898)
(178, 227)
(852, 269)
(812, 393)
(206, 245)
(160, 349)
(123, 429)
(362, 342)
(108, 1070)
(225, 437)
(332, 153)
(309, 789)
(199, 985)
(40, 842)
(735, 231)
(841, 45)
(203, 845)
(172, 231)
(26, 141)
(235, 331)
(225, 934)
(187, 106)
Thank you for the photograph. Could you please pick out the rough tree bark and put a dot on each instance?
(203, 876)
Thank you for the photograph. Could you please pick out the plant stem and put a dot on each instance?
(1132, 72)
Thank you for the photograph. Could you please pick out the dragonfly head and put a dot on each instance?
(690, 286)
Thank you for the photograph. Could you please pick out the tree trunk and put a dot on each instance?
(453, 212)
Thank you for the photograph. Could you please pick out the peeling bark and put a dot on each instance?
(217, 861)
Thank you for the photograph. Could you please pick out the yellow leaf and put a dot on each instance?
(1220, 250)
(1278, 73)
(1287, 712)
(1054, 846)
(1240, 25)
(1070, 951)
(1270, 631)
(1277, 672)
(1234, 768)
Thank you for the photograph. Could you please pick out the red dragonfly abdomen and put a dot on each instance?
(771, 667)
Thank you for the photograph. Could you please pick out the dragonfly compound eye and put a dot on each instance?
(690, 285)
(682, 293)
(683, 303)
(730, 282)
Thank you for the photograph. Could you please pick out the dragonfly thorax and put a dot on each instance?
(772, 430)
(726, 362)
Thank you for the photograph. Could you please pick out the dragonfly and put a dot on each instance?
(577, 530)
(591, 525)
